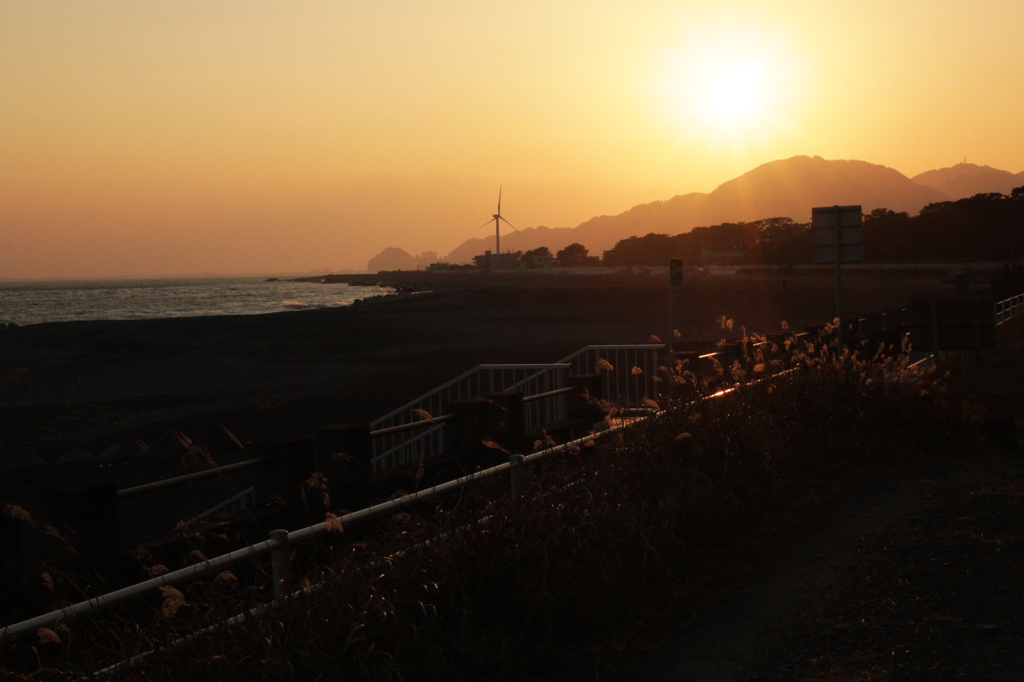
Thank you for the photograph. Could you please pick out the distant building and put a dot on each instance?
(483, 262)
(497, 261)
(505, 261)
(425, 260)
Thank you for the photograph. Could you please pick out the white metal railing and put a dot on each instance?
(243, 500)
(1009, 308)
(190, 478)
(1006, 309)
(406, 446)
(279, 541)
(627, 372)
(549, 409)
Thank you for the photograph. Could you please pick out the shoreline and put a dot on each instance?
(868, 268)
(45, 302)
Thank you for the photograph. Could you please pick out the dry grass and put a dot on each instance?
(600, 541)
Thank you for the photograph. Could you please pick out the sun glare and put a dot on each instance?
(734, 91)
(731, 89)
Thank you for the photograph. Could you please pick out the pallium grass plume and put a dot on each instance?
(478, 585)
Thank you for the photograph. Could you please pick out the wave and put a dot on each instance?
(34, 303)
(299, 305)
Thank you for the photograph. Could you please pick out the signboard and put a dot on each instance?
(675, 280)
(827, 223)
(962, 322)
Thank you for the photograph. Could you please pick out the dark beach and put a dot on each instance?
(73, 386)
(95, 384)
(91, 385)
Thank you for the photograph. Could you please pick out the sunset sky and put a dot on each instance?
(151, 139)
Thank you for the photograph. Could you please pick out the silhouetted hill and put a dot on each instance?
(788, 187)
(393, 258)
(531, 238)
(967, 179)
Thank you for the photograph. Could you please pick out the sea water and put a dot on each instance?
(33, 302)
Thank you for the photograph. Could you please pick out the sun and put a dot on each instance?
(733, 92)
(728, 89)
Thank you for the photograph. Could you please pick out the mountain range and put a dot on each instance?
(782, 188)
(965, 180)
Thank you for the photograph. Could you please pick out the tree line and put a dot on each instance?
(985, 227)
(572, 256)
(772, 240)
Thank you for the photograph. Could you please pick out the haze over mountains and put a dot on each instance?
(393, 258)
(783, 188)
(966, 179)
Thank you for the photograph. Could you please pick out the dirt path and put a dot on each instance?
(911, 573)
(936, 593)
(910, 576)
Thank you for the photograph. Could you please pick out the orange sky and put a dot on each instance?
(146, 139)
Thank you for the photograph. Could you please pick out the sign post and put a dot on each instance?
(675, 280)
(675, 295)
(838, 238)
(675, 291)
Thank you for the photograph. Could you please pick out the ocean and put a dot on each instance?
(34, 302)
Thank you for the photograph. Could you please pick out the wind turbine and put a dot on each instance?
(497, 217)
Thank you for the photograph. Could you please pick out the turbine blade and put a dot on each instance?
(510, 224)
(499, 200)
(486, 224)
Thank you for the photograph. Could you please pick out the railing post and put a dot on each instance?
(504, 415)
(280, 561)
(468, 428)
(515, 474)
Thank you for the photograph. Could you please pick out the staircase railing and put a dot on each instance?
(419, 429)
(627, 372)
(424, 437)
